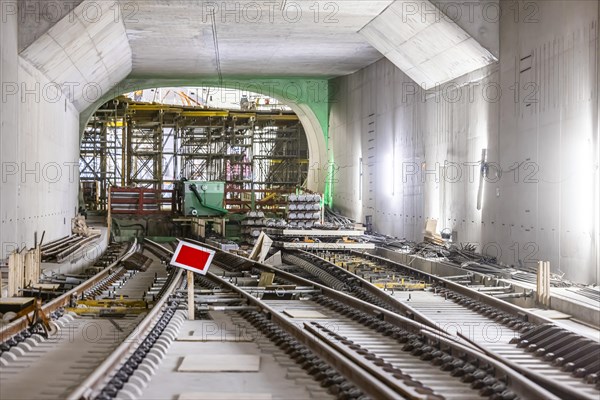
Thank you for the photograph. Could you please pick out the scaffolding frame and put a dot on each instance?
(260, 155)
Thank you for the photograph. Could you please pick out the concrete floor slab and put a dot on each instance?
(220, 363)
(224, 396)
(303, 314)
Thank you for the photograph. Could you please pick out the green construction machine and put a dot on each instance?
(201, 199)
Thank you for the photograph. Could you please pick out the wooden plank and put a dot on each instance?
(15, 304)
(19, 301)
(45, 286)
(15, 273)
(266, 279)
(431, 227)
(38, 263)
(31, 273)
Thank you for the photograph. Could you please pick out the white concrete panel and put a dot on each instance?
(86, 50)
(40, 194)
(48, 155)
(534, 112)
(480, 19)
(39, 146)
(301, 38)
(220, 363)
(37, 16)
(9, 139)
(429, 47)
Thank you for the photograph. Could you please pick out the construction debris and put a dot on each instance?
(80, 227)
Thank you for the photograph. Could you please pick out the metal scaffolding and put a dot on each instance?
(260, 155)
(101, 157)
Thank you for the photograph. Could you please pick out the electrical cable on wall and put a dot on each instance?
(482, 175)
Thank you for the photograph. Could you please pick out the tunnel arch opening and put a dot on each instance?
(289, 136)
(309, 99)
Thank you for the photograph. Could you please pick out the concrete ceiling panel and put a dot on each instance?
(480, 19)
(83, 50)
(176, 37)
(429, 47)
(37, 16)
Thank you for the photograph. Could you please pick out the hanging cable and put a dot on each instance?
(216, 45)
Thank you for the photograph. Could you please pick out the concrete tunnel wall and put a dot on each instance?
(544, 137)
(39, 150)
(49, 74)
(40, 126)
(549, 212)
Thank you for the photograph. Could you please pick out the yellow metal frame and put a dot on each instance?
(117, 306)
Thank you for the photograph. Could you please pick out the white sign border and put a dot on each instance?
(197, 247)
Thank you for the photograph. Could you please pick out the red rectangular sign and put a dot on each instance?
(192, 257)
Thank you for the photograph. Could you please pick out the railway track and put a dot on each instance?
(67, 246)
(401, 358)
(563, 361)
(34, 367)
(335, 335)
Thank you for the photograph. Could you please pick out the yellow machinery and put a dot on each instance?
(403, 284)
(376, 274)
(116, 307)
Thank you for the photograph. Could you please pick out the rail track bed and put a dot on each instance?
(64, 360)
(383, 354)
(309, 329)
(35, 367)
(360, 339)
(530, 344)
(494, 336)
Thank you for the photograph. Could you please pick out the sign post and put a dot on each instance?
(194, 259)
(190, 285)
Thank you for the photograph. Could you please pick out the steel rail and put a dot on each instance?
(88, 388)
(513, 377)
(404, 390)
(379, 294)
(565, 392)
(562, 390)
(82, 244)
(517, 311)
(54, 247)
(21, 323)
(54, 243)
(159, 246)
(532, 389)
(365, 381)
(385, 315)
(368, 383)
